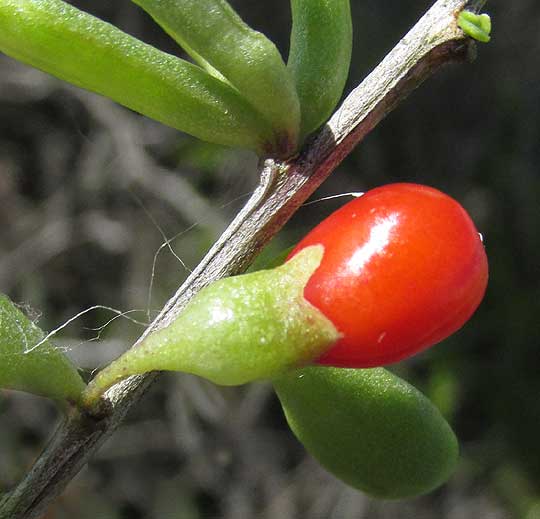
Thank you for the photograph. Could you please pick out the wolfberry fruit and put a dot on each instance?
(403, 268)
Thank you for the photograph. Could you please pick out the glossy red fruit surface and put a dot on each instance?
(404, 267)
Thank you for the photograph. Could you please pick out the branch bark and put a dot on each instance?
(434, 41)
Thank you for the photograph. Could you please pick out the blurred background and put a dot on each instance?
(89, 191)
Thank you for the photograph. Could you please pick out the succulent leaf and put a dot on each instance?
(369, 428)
(320, 55)
(26, 365)
(59, 39)
(218, 39)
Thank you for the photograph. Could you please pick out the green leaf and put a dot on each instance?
(26, 365)
(320, 55)
(215, 36)
(77, 47)
(370, 428)
(238, 329)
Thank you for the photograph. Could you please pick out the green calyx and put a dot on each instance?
(477, 26)
(369, 428)
(27, 365)
(239, 329)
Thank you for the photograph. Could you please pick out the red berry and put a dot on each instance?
(404, 267)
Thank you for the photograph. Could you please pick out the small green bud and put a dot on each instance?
(370, 429)
(477, 26)
(26, 365)
(239, 329)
